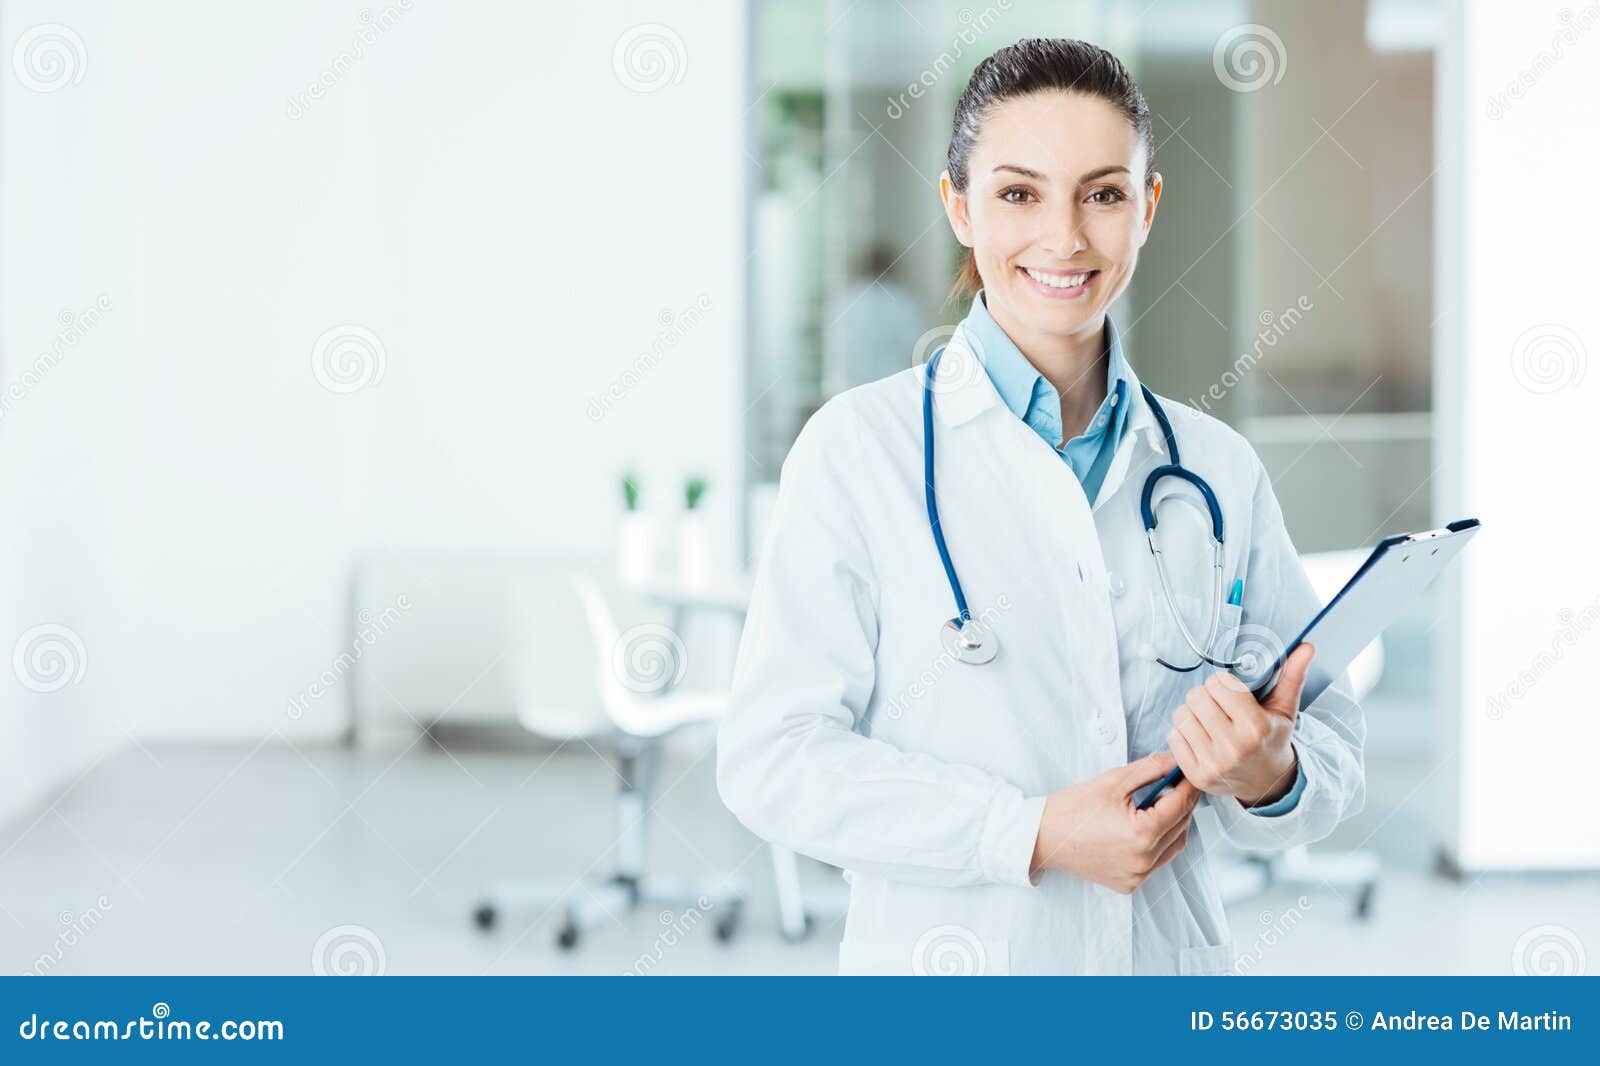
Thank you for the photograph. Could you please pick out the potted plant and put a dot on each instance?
(696, 565)
(638, 536)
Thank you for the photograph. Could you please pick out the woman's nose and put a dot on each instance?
(1063, 234)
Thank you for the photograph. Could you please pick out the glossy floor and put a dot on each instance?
(256, 859)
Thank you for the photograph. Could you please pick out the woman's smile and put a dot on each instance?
(1058, 284)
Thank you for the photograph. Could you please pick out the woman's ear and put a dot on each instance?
(1151, 200)
(955, 209)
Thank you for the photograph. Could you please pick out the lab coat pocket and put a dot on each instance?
(1209, 961)
(1228, 630)
(943, 951)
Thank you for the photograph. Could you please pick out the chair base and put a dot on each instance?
(685, 903)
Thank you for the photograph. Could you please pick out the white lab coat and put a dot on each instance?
(855, 738)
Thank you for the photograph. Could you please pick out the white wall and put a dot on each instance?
(65, 319)
(1516, 396)
(480, 189)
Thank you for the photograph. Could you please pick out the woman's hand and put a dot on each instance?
(1092, 830)
(1230, 745)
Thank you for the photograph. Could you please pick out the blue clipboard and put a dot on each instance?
(1399, 568)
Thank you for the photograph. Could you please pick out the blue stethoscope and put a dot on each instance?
(970, 642)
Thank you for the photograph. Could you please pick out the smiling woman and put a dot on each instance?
(975, 775)
(1050, 186)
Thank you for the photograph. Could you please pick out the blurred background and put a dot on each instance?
(392, 397)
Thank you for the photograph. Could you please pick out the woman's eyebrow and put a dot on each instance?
(1098, 172)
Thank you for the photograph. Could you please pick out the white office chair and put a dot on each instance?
(597, 681)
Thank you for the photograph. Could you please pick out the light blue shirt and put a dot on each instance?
(1032, 398)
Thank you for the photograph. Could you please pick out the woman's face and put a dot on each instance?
(1055, 210)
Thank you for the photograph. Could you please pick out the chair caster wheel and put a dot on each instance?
(804, 932)
(567, 938)
(728, 924)
(485, 917)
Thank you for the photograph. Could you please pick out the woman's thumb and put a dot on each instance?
(1285, 696)
(1142, 772)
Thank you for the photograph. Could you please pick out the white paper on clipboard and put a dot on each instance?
(1399, 570)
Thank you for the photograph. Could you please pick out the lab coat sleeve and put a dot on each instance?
(1330, 730)
(791, 763)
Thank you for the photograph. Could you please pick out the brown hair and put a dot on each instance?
(1034, 65)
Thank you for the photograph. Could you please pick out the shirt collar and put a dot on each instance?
(1014, 377)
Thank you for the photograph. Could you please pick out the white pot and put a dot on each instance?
(696, 562)
(640, 547)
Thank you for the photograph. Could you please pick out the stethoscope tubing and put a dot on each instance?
(1174, 468)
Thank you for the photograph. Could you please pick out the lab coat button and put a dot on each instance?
(1104, 731)
(1118, 587)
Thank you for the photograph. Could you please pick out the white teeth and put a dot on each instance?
(1058, 281)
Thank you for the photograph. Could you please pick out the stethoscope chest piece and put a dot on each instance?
(969, 643)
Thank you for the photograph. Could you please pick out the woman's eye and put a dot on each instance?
(1112, 195)
(1016, 195)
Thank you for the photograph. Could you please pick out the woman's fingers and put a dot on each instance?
(1173, 808)
(1176, 845)
(1141, 772)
